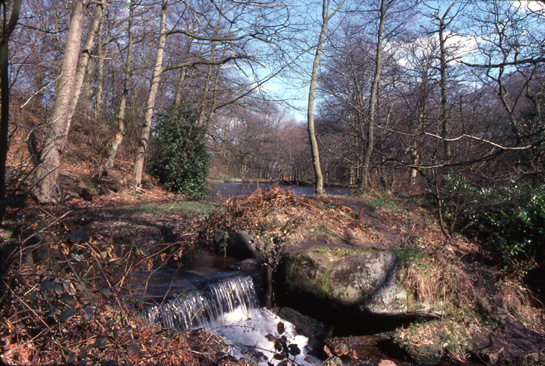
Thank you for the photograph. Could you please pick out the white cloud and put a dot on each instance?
(531, 5)
(458, 47)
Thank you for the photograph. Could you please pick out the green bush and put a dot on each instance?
(518, 229)
(179, 157)
(509, 221)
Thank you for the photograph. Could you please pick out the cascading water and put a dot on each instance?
(229, 308)
(201, 308)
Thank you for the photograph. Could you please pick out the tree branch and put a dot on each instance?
(495, 145)
(211, 39)
(525, 61)
(205, 62)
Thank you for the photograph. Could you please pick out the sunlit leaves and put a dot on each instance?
(335, 358)
(283, 349)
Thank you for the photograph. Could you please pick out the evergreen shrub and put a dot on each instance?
(509, 221)
(179, 157)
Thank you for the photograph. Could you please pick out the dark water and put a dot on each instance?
(196, 266)
(226, 190)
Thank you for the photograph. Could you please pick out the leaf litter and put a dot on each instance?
(69, 308)
(279, 216)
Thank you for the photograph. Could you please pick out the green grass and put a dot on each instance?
(409, 255)
(192, 207)
(388, 204)
(344, 252)
(202, 207)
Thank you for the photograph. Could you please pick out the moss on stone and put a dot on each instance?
(342, 252)
(325, 281)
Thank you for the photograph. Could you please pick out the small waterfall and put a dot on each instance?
(229, 308)
(200, 308)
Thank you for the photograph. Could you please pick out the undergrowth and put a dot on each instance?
(467, 304)
(64, 302)
(447, 293)
(472, 309)
(509, 221)
(483, 315)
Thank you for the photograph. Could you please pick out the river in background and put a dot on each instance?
(226, 190)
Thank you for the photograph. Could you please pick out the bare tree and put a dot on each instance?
(85, 55)
(512, 53)
(150, 103)
(373, 97)
(327, 14)
(120, 119)
(443, 17)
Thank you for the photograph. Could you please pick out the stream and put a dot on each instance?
(211, 292)
(226, 296)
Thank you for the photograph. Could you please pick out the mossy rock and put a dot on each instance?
(366, 280)
(87, 187)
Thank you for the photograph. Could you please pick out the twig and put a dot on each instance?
(39, 91)
(480, 139)
(28, 307)
(47, 227)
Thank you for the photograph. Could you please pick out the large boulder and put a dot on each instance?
(362, 282)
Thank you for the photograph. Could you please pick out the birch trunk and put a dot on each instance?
(123, 102)
(150, 103)
(102, 53)
(365, 180)
(84, 57)
(326, 16)
(46, 176)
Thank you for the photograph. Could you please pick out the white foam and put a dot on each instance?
(245, 332)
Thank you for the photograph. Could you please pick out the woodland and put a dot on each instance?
(107, 103)
(400, 91)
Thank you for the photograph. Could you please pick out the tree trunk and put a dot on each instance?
(365, 180)
(102, 53)
(87, 92)
(150, 103)
(181, 79)
(326, 16)
(123, 102)
(46, 176)
(443, 70)
(7, 30)
(84, 57)
(202, 112)
(215, 96)
(414, 171)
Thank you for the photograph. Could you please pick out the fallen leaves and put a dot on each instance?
(68, 310)
(278, 215)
